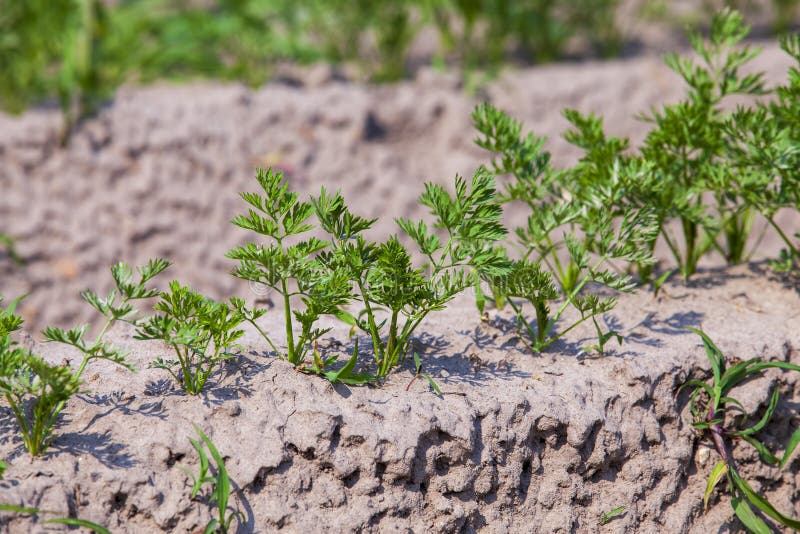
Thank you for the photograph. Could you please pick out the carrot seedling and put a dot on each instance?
(396, 295)
(530, 281)
(290, 268)
(198, 330)
(36, 390)
(117, 306)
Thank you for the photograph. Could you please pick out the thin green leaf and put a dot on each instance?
(432, 383)
(211, 527)
(720, 470)
(223, 483)
(773, 403)
(18, 509)
(761, 503)
(611, 514)
(713, 352)
(94, 527)
(763, 452)
(790, 447)
(348, 368)
(750, 520)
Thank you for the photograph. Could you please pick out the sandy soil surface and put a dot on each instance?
(518, 443)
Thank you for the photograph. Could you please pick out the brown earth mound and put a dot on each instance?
(517, 443)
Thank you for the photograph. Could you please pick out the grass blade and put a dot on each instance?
(763, 452)
(713, 353)
(223, 483)
(750, 520)
(348, 368)
(742, 370)
(773, 403)
(763, 504)
(211, 527)
(720, 470)
(13, 304)
(793, 441)
(201, 479)
(611, 514)
(432, 383)
(18, 509)
(696, 384)
(94, 527)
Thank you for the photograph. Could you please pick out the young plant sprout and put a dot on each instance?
(688, 152)
(606, 517)
(536, 184)
(530, 281)
(117, 306)
(291, 269)
(394, 293)
(199, 331)
(711, 418)
(702, 170)
(36, 390)
(764, 143)
(220, 484)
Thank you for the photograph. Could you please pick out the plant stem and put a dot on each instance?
(674, 249)
(99, 337)
(522, 322)
(388, 356)
(690, 237)
(373, 328)
(26, 436)
(719, 439)
(287, 312)
(88, 356)
(783, 236)
(265, 336)
(183, 360)
(541, 320)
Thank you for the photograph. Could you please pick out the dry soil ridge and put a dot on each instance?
(518, 443)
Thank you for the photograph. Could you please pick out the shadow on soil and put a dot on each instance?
(463, 367)
(122, 403)
(101, 446)
(220, 387)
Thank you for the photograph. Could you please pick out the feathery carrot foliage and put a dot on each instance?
(293, 270)
(198, 330)
(397, 295)
(37, 390)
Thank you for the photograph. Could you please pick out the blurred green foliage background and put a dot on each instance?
(78, 51)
